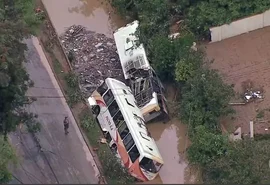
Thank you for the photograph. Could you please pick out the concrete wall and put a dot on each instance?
(241, 26)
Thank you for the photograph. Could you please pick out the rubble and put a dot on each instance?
(252, 95)
(93, 57)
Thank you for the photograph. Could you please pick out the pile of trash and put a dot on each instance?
(253, 95)
(93, 57)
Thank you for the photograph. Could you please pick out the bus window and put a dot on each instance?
(113, 108)
(108, 97)
(102, 89)
(128, 142)
(118, 118)
(148, 165)
(123, 130)
(134, 153)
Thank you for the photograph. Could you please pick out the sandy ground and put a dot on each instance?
(241, 59)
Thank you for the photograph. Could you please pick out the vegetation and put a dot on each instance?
(73, 92)
(112, 169)
(204, 96)
(18, 21)
(165, 54)
(7, 155)
(199, 16)
(206, 146)
(205, 99)
(245, 162)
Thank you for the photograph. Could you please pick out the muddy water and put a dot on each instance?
(171, 137)
(171, 140)
(97, 15)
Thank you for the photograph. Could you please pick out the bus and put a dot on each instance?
(139, 75)
(123, 126)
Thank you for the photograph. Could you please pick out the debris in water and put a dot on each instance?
(94, 57)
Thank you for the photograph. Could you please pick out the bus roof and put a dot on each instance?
(128, 107)
(131, 55)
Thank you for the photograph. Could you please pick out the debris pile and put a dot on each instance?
(252, 95)
(93, 57)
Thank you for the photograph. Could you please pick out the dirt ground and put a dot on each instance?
(245, 61)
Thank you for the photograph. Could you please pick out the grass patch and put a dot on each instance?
(259, 137)
(112, 169)
(57, 66)
(260, 114)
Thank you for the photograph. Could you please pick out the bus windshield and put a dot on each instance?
(150, 165)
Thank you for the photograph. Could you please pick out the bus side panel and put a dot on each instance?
(122, 151)
(136, 171)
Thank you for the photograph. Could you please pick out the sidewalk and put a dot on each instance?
(65, 159)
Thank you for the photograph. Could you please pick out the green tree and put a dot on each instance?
(245, 162)
(7, 155)
(206, 146)
(188, 65)
(165, 53)
(205, 99)
(17, 22)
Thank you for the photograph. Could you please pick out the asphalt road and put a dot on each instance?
(62, 158)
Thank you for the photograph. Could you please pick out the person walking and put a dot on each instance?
(66, 125)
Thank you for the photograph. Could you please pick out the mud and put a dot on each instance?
(240, 59)
(96, 15)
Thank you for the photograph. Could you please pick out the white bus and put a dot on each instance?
(141, 78)
(124, 128)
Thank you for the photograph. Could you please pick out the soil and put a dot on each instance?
(244, 61)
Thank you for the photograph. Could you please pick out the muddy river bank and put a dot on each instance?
(171, 138)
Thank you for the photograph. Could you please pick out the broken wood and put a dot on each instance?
(239, 103)
(251, 129)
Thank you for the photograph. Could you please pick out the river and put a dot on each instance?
(98, 16)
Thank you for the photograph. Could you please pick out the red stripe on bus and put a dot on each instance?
(127, 164)
(101, 103)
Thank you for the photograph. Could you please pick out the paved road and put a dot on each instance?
(65, 159)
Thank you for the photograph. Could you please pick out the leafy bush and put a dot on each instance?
(205, 14)
(188, 66)
(74, 93)
(7, 155)
(245, 162)
(206, 96)
(164, 54)
(113, 169)
(206, 146)
(72, 80)
(88, 122)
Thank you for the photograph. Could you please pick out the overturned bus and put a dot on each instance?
(139, 75)
(123, 126)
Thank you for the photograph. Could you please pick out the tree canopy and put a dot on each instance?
(18, 21)
(245, 162)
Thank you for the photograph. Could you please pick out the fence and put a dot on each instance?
(240, 26)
